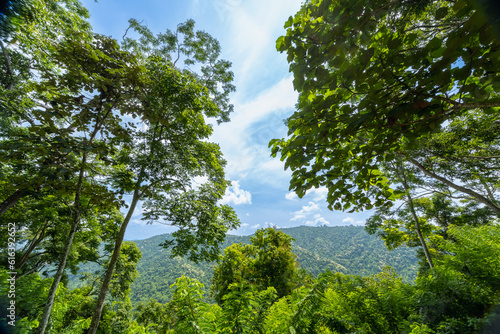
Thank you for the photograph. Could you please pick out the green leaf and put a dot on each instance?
(441, 13)
(434, 44)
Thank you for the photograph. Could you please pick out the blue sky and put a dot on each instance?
(264, 97)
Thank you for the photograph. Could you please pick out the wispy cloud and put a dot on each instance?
(253, 32)
(315, 194)
(305, 211)
(244, 141)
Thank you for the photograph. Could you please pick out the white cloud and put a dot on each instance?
(236, 196)
(244, 225)
(269, 224)
(311, 208)
(319, 221)
(318, 194)
(322, 221)
(244, 140)
(315, 194)
(305, 211)
(297, 216)
(255, 227)
(353, 221)
(310, 215)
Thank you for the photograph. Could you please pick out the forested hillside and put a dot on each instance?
(398, 114)
(349, 250)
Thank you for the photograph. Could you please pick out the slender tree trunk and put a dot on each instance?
(76, 220)
(419, 233)
(8, 65)
(10, 201)
(480, 198)
(64, 256)
(414, 215)
(111, 267)
(96, 317)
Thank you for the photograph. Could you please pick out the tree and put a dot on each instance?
(29, 36)
(66, 136)
(188, 306)
(110, 75)
(169, 149)
(457, 164)
(461, 161)
(43, 225)
(61, 86)
(461, 290)
(267, 262)
(152, 314)
(373, 77)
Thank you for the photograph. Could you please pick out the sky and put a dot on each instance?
(247, 31)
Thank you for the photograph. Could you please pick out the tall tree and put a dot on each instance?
(169, 149)
(28, 40)
(267, 262)
(110, 76)
(374, 76)
(56, 131)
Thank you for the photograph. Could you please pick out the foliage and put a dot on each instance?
(373, 77)
(315, 247)
(396, 98)
(68, 95)
(464, 285)
(267, 262)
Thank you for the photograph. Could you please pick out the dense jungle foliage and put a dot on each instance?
(317, 249)
(398, 112)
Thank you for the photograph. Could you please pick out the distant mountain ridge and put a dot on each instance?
(346, 249)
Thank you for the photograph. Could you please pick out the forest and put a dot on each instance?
(345, 249)
(397, 113)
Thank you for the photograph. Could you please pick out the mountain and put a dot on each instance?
(347, 249)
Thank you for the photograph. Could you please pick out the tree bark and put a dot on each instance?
(10, 201)
(419, 233)
(94, 325)
(8, 65)
(64, 256)
(415, 217)
(480, 198)
(34, 242)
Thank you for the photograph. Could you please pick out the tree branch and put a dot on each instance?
(480, 198)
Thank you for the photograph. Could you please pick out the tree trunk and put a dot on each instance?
(8, 65)
(414, 215)
(114, 258)
(419, 233)
(480, 198)
(64, 256)
(10, 201)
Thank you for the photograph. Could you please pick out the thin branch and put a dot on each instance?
(480, 198)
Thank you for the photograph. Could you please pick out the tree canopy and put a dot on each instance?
(398, 110)
(373, 77)
(86, 122)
